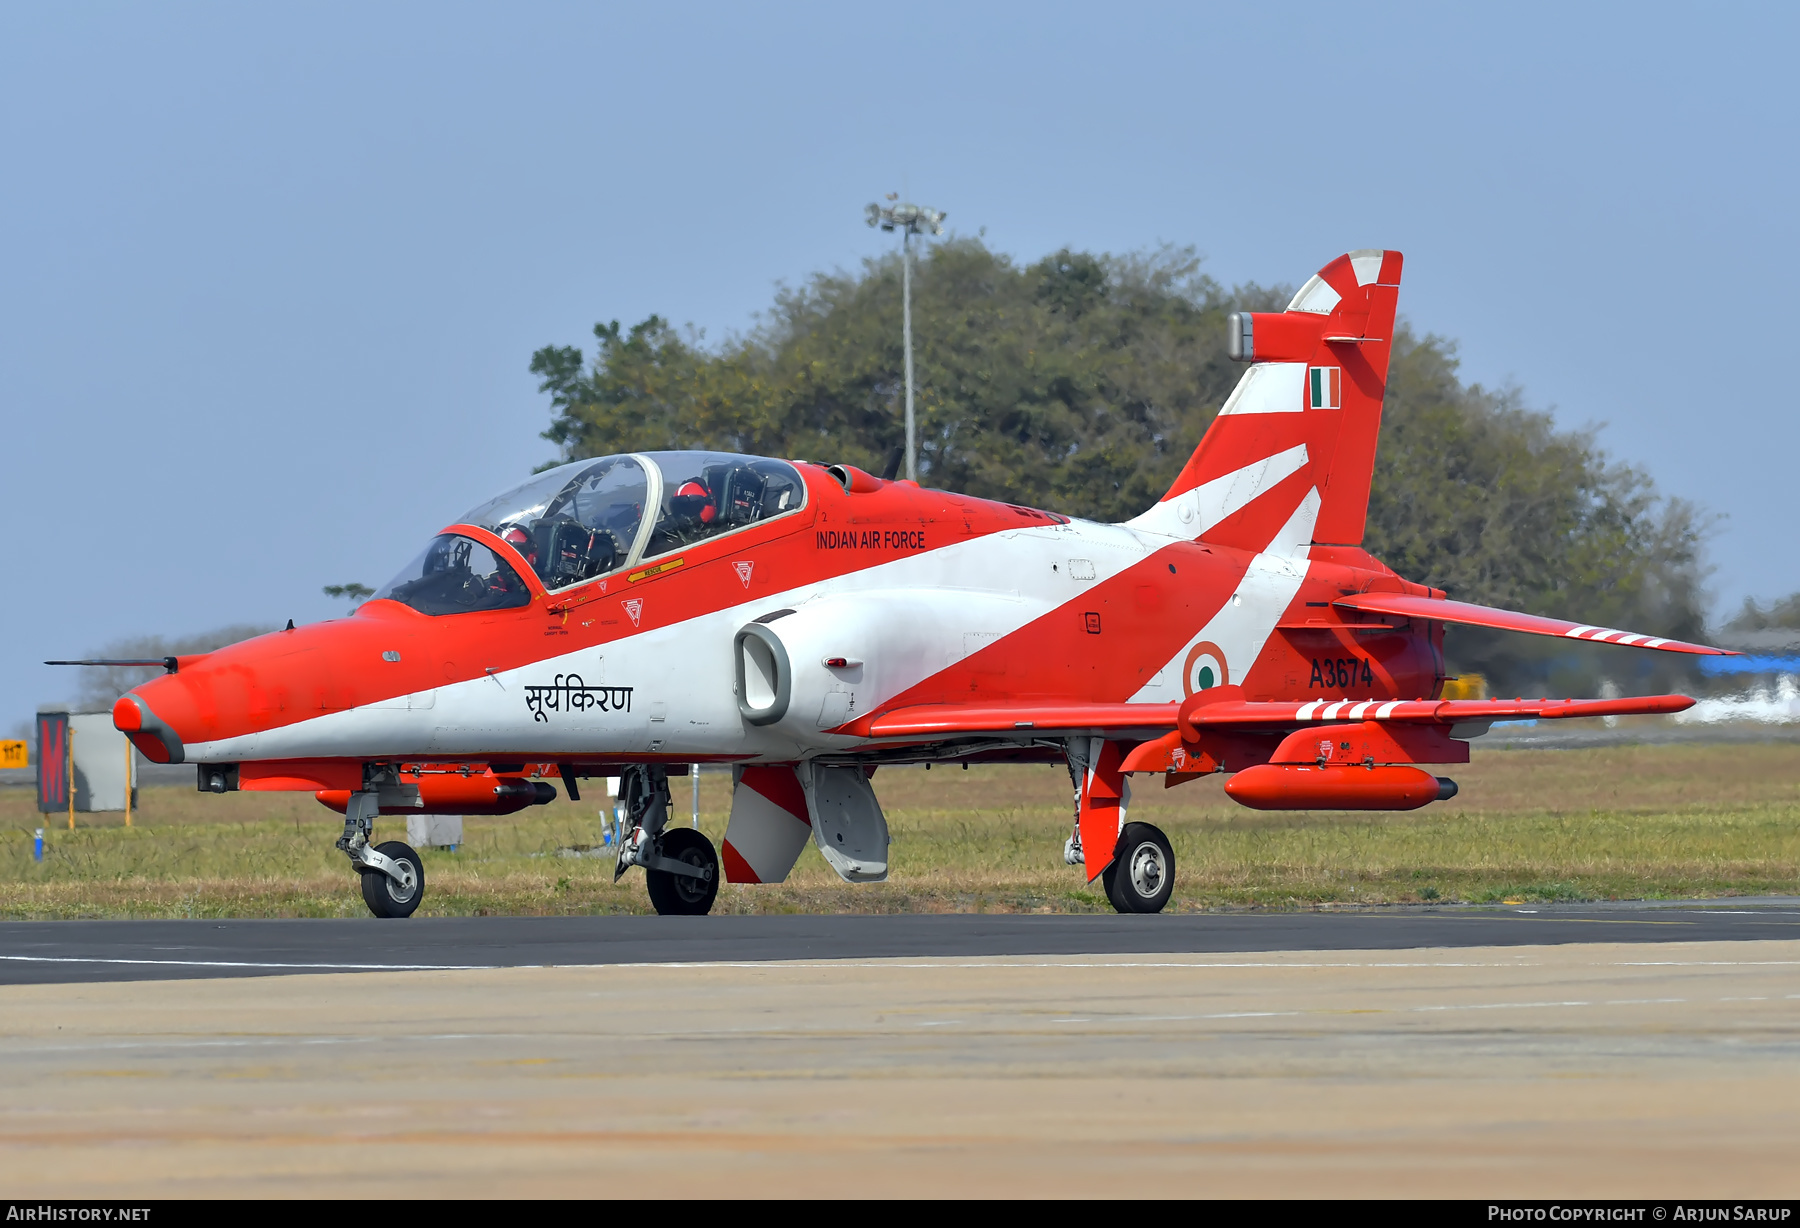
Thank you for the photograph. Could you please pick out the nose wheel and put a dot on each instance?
(396, 892)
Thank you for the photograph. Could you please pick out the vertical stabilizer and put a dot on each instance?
(1304, 418)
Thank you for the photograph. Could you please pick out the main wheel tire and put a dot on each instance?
(384, 896)
(677, 895)
(1142, 874)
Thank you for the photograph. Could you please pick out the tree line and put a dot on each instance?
(1081, 383)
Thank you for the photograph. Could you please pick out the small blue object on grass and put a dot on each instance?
(37, 846)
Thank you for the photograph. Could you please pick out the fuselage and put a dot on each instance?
(882, 594)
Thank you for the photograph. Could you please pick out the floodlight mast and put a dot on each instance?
(909, 220)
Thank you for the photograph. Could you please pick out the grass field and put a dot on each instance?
(1624, 822)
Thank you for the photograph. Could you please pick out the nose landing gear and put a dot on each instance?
(393, 875)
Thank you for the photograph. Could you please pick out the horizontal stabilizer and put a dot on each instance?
(1439, 610)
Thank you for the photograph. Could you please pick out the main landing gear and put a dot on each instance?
(681, 868)
(1142, 874)
(393, 876)
(1140, 877)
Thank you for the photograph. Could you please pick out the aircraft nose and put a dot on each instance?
(147, 731)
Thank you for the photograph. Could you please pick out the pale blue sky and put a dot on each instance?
(270, 277)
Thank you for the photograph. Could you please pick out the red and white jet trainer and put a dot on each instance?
(806, 623)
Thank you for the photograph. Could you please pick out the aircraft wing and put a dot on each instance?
(1440, 610)
(1250, 713)
(939, 720)
(1146, 720)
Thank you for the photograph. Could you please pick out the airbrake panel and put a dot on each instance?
(847, 822)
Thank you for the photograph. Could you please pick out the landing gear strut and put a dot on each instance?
(681, 868)
(393, 876)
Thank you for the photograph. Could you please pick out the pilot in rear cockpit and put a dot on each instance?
(692, 508)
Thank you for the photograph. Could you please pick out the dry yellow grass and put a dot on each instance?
(1613, 823)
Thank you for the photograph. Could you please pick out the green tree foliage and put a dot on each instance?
(1082, 383)
(1477, 495)
(1780, 615)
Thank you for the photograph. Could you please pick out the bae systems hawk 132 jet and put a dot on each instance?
(809, 623)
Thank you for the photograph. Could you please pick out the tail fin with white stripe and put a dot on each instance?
(1294, 445)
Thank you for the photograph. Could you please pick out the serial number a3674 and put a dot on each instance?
(1339, 673)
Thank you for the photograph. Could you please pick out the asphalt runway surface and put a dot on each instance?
(48, 952)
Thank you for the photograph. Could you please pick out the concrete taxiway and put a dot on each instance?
(1633, 1066)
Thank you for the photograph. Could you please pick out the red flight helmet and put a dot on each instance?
(516, 537)
(692, 489)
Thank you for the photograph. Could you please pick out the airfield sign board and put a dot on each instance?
(104, 766)
(53, 761)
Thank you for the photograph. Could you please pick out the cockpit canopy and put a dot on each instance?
(457, 575)
(587, 519)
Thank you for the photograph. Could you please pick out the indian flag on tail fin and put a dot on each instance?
(1325, 387)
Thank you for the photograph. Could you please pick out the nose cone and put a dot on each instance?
(148, 732)
(226, 705)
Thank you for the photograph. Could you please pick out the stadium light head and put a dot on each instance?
(912, 219)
